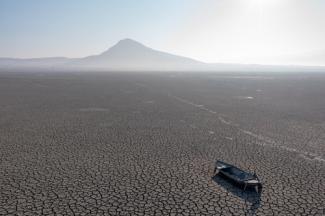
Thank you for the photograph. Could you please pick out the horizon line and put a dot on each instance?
(135, 41)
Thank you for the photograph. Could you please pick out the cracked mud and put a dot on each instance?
(144, 144)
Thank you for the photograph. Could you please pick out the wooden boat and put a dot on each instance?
(237, 175)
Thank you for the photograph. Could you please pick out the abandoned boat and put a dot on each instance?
(237, 175)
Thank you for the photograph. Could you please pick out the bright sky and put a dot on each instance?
(243, 31)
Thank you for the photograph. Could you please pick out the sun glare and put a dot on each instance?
(263, 2)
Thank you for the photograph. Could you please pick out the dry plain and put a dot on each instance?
(144, 143)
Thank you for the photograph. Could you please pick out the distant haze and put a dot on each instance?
(231, 31)
(130, 55)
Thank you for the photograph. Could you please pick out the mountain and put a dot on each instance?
(33, 62)
(128, 54)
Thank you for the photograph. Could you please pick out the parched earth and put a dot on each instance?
(145, 144)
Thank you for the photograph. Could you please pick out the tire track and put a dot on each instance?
(264, 141)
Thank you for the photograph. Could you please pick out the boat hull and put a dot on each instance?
(238, 176)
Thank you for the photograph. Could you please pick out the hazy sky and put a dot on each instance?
(245, 31)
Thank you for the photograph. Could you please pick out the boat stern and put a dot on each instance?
(252, 182)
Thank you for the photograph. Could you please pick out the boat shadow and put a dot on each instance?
(251, 197)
